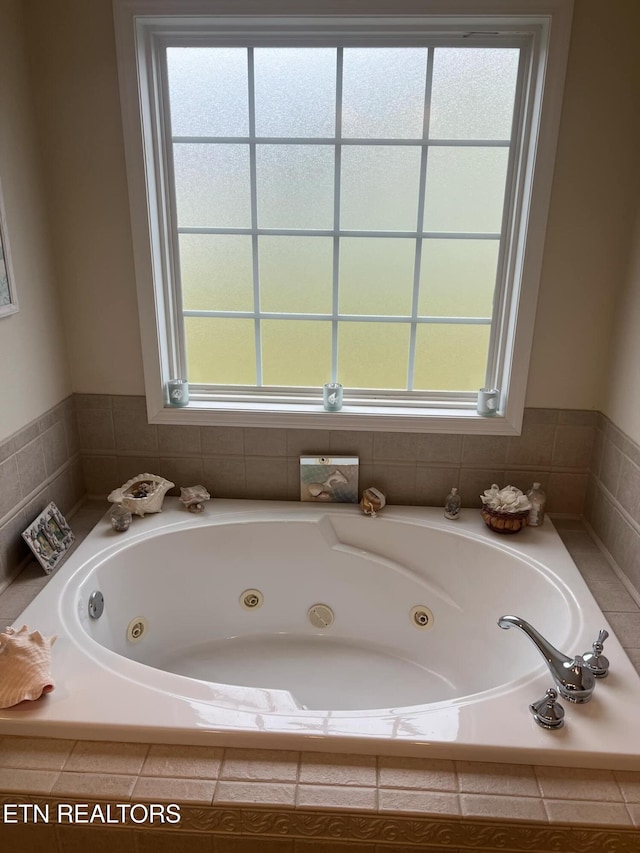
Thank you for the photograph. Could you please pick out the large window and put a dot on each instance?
(340, 200)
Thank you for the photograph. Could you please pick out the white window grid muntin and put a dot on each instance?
(173, 352)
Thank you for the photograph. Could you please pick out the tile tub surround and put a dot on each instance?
(612, 506)
(555, 448)
(38, 464)
(239, 801)
(322, 803)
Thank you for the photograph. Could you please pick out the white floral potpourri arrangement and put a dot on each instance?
(509, 499)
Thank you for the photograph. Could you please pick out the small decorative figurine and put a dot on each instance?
(193, 497)
(452, 505)
(372, 502)
(538, 500)
(142, 494)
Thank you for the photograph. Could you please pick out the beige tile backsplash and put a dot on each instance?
(92, 443)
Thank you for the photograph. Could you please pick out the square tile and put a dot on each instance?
(107, 757)
(612, 596)
(260, 764)
(34, 753)
(264, 793)
(430, 774)
(573, 446)
(581, 813)
(16, 781)
(193, 762)
(94, 785)
(167, 790)
(475, 777)
(327, 769)
(31, 467)
(629, 782)
(337, 797)
(95, 429)
(424, 802)
(503, 808)
(222, 441)
(439, 448)
(578, 784)
(626, 627)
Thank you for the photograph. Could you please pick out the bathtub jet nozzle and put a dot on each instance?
(574, 679)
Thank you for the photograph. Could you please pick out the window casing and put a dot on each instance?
(154, 150)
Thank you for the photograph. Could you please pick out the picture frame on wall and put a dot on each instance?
(49, 537)
(8, 298)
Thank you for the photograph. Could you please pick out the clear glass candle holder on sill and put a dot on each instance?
(178, 392)
(332, 397)
(488, 402)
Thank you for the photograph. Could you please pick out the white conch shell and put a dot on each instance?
(141, 494)
(193, 497)
(25, 666)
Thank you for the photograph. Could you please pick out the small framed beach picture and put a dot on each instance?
(49, 537)
(330, 479)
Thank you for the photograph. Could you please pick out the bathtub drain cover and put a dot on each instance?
(136, 629)
(321, 616)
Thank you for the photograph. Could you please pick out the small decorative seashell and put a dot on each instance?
(372, 502)
(142, 494)
(25, 666)
(193, 497)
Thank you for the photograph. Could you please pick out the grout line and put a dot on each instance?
(40, 488)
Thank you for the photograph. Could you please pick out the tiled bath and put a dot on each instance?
(240, 801)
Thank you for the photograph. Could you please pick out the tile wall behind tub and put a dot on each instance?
(612, 505)
(38, 464)
(117, 443)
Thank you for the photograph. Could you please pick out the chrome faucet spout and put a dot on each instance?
(573, 678)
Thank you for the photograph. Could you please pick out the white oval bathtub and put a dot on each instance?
(207, 669)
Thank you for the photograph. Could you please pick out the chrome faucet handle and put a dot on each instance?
(548, 712)
(595, 660)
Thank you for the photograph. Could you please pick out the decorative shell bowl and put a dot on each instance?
(504, 522)
(142, 494)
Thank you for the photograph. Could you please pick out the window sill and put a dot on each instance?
(369, 418)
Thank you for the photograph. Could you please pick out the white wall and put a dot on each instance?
(623, 398)
(33, 359)
(588, 242)
(592, 208)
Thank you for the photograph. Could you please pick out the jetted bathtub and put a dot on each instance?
(312, 626)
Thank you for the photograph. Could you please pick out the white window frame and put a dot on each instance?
(142, 25)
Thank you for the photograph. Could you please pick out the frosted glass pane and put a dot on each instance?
(296, 274)
(296, 352)
(457, 278)
(212, 185)
(295, 91)
(208, 91)
(379, 188)
(450, 357)
(465, 189)
(473, 93)
(295, 186)
(373, 355)
(376, 275)
(383, 92)
(220, 352)
(216, 272)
